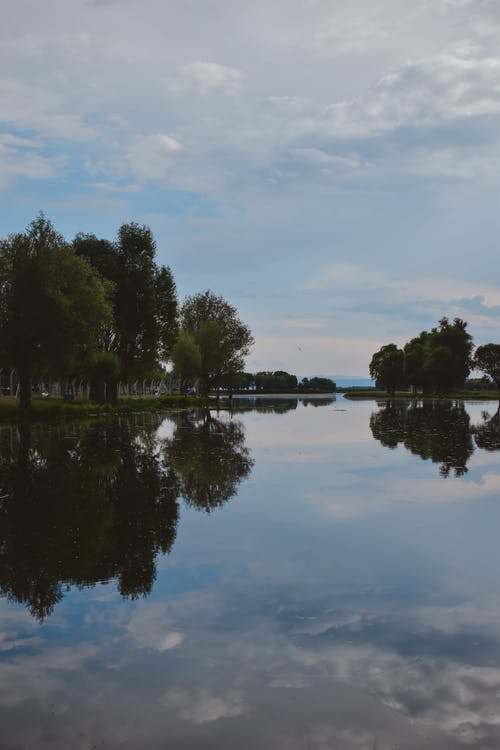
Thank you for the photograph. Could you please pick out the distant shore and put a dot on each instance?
(373, 393)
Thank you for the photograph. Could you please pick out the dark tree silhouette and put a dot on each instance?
(80, 505)
(435, 430)
(487, 434)
(209, 458)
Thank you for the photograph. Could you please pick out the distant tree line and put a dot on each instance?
(281, 381)
(105, 311)
(435, 361)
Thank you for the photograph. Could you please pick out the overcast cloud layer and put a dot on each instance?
(331, 168)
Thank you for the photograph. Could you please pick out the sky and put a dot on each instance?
(330, 168)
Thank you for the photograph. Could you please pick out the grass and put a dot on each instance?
(373, 393)
(55, 408)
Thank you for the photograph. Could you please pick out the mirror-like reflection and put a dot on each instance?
(87, 503)
(437, 430)
(80, 505)
(348, 599)
(209, 458)
(487, 433)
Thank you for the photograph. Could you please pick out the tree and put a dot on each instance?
(53, 304)
(415, 371)
(221, 338)
(440, 367)
(103, 372)
(187, 358)
(145, 324)
(452, 368)
(487, 359)
(387, 367)
(318, 384)
(434, 361)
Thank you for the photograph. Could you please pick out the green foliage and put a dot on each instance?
(279, 380)
(103, 372)
(53, 304)
(434, 361)
(318, 384)
(186, 356)
(221, 338)
(487, 359)
(144, 326)
(387, 367)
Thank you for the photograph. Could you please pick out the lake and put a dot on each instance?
(294, 574)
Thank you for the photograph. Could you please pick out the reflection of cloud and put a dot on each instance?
(171, 640)
(50, 665)
(362, 496)
(202, 706)
(353, 674)
(163, 626)
(151, 627)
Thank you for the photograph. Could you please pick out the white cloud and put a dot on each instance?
(459, 82)
(210, 76)
(151, 157)
(357, 35)
(19, 160)
(39, 110)
(286, 124)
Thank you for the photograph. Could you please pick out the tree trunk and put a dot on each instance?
(111, 392)
(24, 373)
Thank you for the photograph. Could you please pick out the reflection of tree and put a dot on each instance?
(319, 401)
(487, 434)
(439, 430)
(209, 458)
(263, 404)
(82, 505)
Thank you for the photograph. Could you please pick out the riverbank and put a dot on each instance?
(373, 393)
(55, 408)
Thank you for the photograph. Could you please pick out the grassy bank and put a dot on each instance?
(48, 408)
(373, 393)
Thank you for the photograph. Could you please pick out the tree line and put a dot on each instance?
(279, 380)
(435, 361)
(106, 311)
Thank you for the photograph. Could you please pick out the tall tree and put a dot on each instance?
(434, 361)
(387, 367)
(53, 304)
(219, 335)
(487, 359)
(145, 325)
(451, 366)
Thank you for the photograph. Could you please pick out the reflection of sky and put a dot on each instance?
(348, 597)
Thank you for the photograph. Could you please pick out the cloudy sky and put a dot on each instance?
(331, 168)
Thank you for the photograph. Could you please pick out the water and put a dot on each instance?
(297, 574)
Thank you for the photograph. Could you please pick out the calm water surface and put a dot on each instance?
(295, 575)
